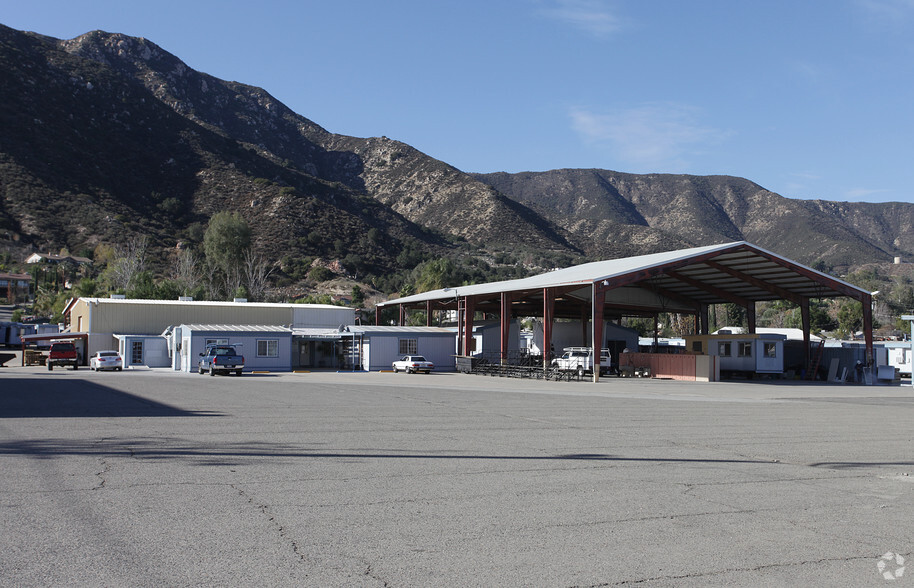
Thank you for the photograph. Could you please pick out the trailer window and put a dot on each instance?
(723, 349)
(409, 346)
(744, 349)
(267, 348)
(771, 350)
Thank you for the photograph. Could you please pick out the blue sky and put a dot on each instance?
(810, 99)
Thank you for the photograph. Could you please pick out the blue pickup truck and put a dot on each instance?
(220, 358)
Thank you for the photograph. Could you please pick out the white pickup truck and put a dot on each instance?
(580, 360)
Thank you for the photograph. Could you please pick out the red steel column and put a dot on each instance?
(468, 305)
(505, 325)
(548, 315)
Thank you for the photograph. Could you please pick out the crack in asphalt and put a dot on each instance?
(369, 572)
(102, 479)
(733, 570)
(264, 509)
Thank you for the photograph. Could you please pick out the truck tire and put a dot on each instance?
(237, 372)
(200, 369)
(50, 367)
(580, 371)
(212, 371)
(75, 366)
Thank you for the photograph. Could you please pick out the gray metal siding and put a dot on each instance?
(246, 344)
(320, 317)
(384, 349)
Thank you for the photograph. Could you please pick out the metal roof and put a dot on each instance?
(418, 330)
(715, 274)
(238, 328)
(53, 336)
(142, 301)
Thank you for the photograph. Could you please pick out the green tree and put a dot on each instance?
(850, 318)
(85, 288)
(143, 287)
(168, 290)
(320, 274)
(226, 239)
(434, 274)
(819, 319)
(358, 297)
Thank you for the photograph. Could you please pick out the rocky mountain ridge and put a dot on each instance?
(684, 210)
(107, 135)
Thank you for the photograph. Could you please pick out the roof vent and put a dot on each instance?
(118, 297)
(185, 298)
(240, 300)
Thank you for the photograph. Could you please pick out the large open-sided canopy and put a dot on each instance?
(685, 281)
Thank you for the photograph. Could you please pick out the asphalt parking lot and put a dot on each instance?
(151, 478)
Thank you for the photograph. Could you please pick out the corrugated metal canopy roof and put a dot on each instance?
(716, 274)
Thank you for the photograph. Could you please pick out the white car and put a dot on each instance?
(412, 364)
(105, 360)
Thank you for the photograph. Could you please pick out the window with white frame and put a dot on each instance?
(267, 348)
(409, 346)
(723, 349)
(216, 342)
(744, 349)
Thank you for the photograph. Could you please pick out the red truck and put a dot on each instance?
(63, 353)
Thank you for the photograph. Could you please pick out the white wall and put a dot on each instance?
(769, 365)
(155, 351)
(568, 334)
(900, 357)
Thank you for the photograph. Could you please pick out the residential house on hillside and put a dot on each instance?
(15, 287)
(51, 258)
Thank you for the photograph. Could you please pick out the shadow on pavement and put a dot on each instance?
(50, 398)
(848, 465)
(236, 453)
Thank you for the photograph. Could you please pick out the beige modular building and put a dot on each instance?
(105, 319)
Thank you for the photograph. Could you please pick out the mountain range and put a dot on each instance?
(106, 136)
